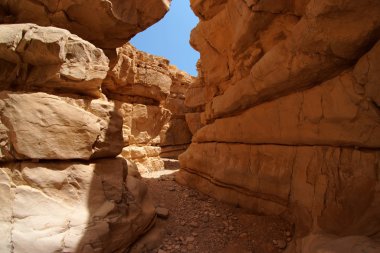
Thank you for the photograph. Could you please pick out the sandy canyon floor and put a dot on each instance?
(196, 223)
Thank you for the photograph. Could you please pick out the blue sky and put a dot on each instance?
(170, 37)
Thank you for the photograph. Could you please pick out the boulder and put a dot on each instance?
(72, 207)
(34, 58)
(107, 24)
(146, 158)
(138, 77)
(48, 127)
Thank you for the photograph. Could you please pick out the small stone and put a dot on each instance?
(288, 234)
(205, 219)
(243, 235)
(190, 239)
(281, 244)
(183, 223)
(289, 239)
(217, 215)
(177, 247)
(162, 212)
(230, 228)
(194, 224)
(161, 251)
(194, 234)
(274, 242)
(172, 189)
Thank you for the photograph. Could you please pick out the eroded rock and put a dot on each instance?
(107, 24)
(43, 126)
(72, 207)
(34, 58)
(285, 112)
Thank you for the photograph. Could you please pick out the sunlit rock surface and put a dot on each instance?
(62, 189)
(71, 207)
(150, 97)
(35, 58)
(285, 115)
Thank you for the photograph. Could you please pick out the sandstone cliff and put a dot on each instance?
(62, 186)
(286, 113)
(107, 24)
(150, 95)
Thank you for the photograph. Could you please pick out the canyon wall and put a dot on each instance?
(63, 185)
(150, 94)
(285, 114)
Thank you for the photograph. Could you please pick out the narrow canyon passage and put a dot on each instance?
(189, 221)
(105, 148)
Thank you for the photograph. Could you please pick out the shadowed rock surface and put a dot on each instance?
(107, 24)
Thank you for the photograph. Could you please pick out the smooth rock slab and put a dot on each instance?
(71, 207)
(43, 126)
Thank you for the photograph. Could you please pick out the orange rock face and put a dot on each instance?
(62, 186)
(107, 24)
(285, 112)
(150, 97)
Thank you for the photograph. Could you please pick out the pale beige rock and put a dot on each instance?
(138, 74)
(150, 95)
(107, 24)
(142, 124)
(49, 59)
(146, 158)
(72, 207)
(42, 126)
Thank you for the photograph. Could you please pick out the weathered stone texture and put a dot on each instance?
(107, 24)
(150, 95)
(34, 58)
(285, 114)
(71, 207)
(56, 194)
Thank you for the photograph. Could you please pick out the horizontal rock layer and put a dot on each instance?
(34, 58)
(43, 126)
(285, 112)
(318, 184)
(107, 24)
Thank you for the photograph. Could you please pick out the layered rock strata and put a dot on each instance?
(287, 113)
(150, 95)
(62, 189)
(107, 24)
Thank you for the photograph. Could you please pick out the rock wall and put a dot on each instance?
(62, 186)
(115, 22)
(150, 95)
(285, 113)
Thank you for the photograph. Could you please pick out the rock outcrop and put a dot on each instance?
(285, 114)
(62, 188)
(150, 95)
(107, 24)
